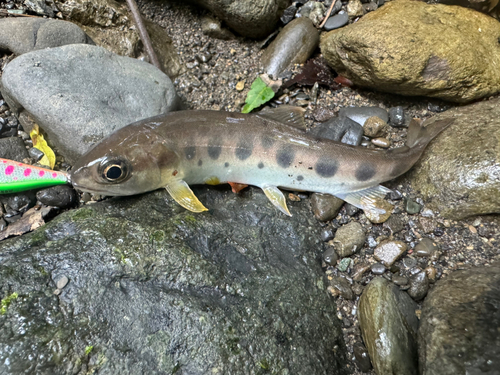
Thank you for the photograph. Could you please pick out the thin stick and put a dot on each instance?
(17, 14)
(143, 33)
(328, 14)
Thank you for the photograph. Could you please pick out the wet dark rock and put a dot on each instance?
(389, 252)
(349, 239)
(395, 195)
(19, 202)
(378, 268)
(469, 185)
(397, 116)
(21, 35)
(370, 6)
(293, 45)
(61, 196)
(340, 129)
(409, 262)
(389, 326)
(459, 324)
(3, 224)
(213, 28)
(255, 20)
(362, 358)
(400, 280)
(419, 285)
(351, 210)
(426, 248)
(361, 114)
(330, 257)
(339, 286)
(155, 287)
(288, 14)
(111, 91)
(325, 206)
(381, 142)
(13, 148)
(395, 224)
(336, 21)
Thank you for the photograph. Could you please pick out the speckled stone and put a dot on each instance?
(349, 239)
(426, 247)
(374, 126)
(419, 285)
(389, 251)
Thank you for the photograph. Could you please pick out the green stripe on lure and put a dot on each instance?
(15, 177)
(184, 148)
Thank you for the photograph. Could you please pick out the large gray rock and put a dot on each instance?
(21, 35)
(414, 48)
(156, 289)
(459, 170)
(79, 94)
(389, 324)
(252, 18)
(459, 330)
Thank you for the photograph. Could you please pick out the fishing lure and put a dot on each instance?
(15, 177)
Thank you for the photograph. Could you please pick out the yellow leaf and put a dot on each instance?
(49, 158)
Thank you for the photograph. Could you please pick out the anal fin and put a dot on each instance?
(366, 199)
(277, 198)
(182, 194)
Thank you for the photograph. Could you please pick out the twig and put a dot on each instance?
(328, 14)
(7, 13)
(143, 33)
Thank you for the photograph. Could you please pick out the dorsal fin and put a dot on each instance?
(286, 114)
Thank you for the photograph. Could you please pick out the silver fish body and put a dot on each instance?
(211, 147)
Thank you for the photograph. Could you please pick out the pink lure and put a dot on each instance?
(15, 176)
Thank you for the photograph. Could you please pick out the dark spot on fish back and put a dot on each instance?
(326, 167)
(200, 163)
(285, 156)
(267, 142)
(214, 152)
(300, 178)
(260, 165)
(190, 152)
(244, 149)
(226, 164)
(365, 171)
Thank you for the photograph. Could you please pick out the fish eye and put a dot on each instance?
(114, 170)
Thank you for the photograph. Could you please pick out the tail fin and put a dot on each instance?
(420, 136)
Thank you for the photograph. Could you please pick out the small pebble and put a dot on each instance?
(409, 262)
(35, 154)
(325, 206)
(431, 274)
(412, 207)
(59, 196)
(351, 210)
(355, 8)
(330, 257)
(419, 285)
(361, 357)
(359, 270)
(426, 248)
(240, 85)
(378, 268)
(381, 142)
(349, 239)
(336, 21)
(395, 224)
(340, 286)
(397, 116)
(395, 195)
(3, 225)
(62, 282)
(381, 211)
(327, 234)
(344, 264)
(389, 252)
(399, 280)
(288, 14)
(374, 126)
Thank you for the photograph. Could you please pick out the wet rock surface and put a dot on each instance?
(389, 327)
(414, 58)
(462, 178)
(150, 282)
(21, 35)
(111, 91)
(459, 325)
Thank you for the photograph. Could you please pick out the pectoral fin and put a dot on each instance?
(182, 194)
(277, 198)
(366, 199)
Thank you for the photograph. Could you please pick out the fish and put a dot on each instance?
(16, 177)
(268, 149)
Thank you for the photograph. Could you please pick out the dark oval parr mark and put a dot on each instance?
(326, 167)
(244, 150)
(365, 171)
(190, 152)
(267, 142)
(285, 156)
(214, 152)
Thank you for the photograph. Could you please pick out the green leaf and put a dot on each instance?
(259, 94)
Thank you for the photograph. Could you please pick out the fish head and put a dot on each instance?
(127, 162)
